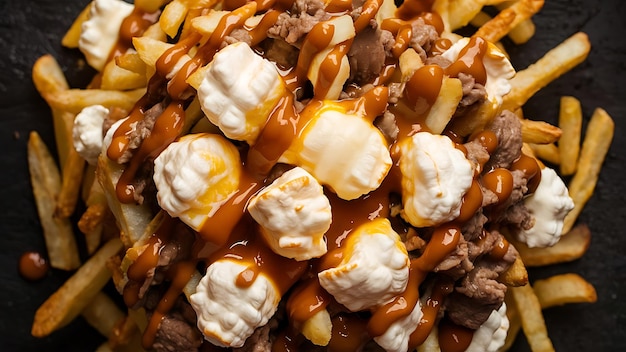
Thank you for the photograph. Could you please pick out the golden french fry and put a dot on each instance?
(70, 191)
(547, 152)
(552, 65)
(522, 33)
(563, 289)
(102, 314)
(570, 122)
(76, 293)
(570, 247)
(480, 19)
(49, 79)
(445, 105)
(515, 324)
(46, 183)
(408, 62)
(117, 78)
(509, 18)
(71, 37)
(539, 132)
(598, 138)
(149, 5)
(533, 324)
(172, 17)
(516, 275)
(318, 329)
(131, 61)
(75, 100)
(460, 12)
(149, 49)
(90, 224)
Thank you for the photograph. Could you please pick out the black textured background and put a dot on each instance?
(29, 29)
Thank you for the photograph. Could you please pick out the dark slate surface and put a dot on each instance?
(29, 29)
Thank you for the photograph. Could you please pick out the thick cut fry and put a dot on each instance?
(515, 324)
(570, 122)
(70, 188)
(571, 247)
(49, 79)
(563, 289)
(76, 293)
(547, 152)
(71, 37)
(539, 132)
(46, 183)
(522, 33)
(552, 65)
(131, 62)
(598, 138)
(533, 324)
(124, 332)
(516, 275)
(149, 50)
(117, 78)
(172, 17)
(318, 328)
(509, 18)
(102, 314)
(446, 103)
(75, 100)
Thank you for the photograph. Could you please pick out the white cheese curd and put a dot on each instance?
(396, 337)
(374, 268)
(99, 32)
(294, 214)
(87, 134)
(196, 174)
(490, 336)
(229, 314)
(240, 100)
(499, 69)
(435, 176)
(548, 205)
(343, 151)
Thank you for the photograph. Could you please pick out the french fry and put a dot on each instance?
(117, 78)
(149, 5)
(69, 193)
(318, 329)
(539, 132)
(563, 289)
(172, 17)
(570, 122)
(446, 103)
(102, 314)
(509, 18)
(533, 324)
(570, 247)
(75, 100)
(598, 138)
(76, 293)
(522, 33)
(46, 183)
(516, 275)
(515, 324)
(131, 62)
(71, 37)
(125, 330)
(547, 152)
(552, 65)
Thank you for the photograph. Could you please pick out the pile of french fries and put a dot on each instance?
(58, 188)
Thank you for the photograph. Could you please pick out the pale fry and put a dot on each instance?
(571, 247)
(76, 293)
(75, 100)
(570, 122)
(522, 33)
(102, 314)
(552, 65)
(533, 324)
(563, 289)
(446, 103)
(515, 324)
(46, 183)
(539, 132)
(547, 152)
(69, 193)
(598, 138)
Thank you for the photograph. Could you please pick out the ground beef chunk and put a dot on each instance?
(387, 125)
(141, 131)
(476, 153)
(438, 60)
(295, 24)
(508, 128)
(424, 35)
(367, 54)
(473, 94)
(513, 212)
(176, 333)
(477, 296)
(473, 228)
(236, 36)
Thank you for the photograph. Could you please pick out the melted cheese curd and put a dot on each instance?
(295, 149)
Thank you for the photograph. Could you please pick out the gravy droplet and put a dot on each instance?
(33, 266)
